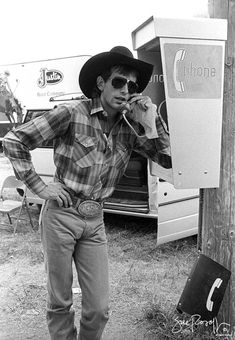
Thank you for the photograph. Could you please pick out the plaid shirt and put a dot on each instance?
(87, 162)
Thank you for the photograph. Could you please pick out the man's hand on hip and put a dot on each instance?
(56, 191)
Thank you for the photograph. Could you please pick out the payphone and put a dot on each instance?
(187, 84)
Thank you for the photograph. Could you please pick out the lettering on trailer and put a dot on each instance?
(193, 71)
(49, 77)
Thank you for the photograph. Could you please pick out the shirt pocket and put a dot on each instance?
(85, 150)
(121, 156)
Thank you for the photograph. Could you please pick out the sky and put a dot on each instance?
(46, 29)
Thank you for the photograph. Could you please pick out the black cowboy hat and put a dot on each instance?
(118, 55)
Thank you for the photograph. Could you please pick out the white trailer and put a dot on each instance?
(41, 85)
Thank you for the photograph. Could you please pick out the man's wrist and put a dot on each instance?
(34, 182)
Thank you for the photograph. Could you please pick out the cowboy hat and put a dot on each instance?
(118, 55)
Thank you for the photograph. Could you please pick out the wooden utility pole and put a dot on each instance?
(218, 207)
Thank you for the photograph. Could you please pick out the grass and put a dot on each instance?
(21, 247)
(167, 324)
(156, 275)
(30, 300)
(146, 282)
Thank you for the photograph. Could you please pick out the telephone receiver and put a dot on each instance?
(126, 108)
(179, 57)
(209, 303)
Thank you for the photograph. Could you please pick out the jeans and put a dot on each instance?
(67, 237)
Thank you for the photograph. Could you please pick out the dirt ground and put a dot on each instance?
(137, 280)
(141, 275)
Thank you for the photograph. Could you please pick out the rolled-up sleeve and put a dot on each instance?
(157, 149)
(18, 143)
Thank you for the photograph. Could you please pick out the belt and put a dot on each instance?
(87, 207)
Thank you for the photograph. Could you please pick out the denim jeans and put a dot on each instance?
(67, 237)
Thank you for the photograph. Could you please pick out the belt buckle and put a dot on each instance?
(89, 208)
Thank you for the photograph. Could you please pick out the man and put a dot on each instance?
(93, 140)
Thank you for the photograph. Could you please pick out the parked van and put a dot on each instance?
(44, 84)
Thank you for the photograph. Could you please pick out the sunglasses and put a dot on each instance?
(119, 82)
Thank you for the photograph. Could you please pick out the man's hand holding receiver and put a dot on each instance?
(142, 110)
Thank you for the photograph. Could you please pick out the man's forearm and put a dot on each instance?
(163, 136)
(20, 158)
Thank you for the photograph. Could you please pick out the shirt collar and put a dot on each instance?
(96, 106)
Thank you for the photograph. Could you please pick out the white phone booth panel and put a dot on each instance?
(190, 55)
